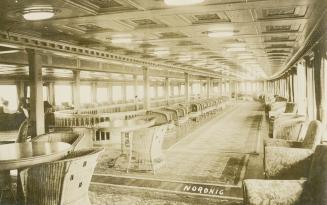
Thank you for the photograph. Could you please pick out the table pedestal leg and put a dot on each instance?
(20, 194)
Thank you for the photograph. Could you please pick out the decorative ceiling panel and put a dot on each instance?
(260, 30)
(286, 12)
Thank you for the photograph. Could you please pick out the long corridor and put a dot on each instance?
(215, 156)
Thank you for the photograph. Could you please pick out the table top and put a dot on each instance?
(19, 155)
(125, 125)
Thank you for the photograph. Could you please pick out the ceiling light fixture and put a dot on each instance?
(236, 49)
(182, 2)
(121, 39)
(35, 13)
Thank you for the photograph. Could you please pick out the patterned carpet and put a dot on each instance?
(219, 168)
(107, 195)
(214, 153)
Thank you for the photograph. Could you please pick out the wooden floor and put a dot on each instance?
(204, 158)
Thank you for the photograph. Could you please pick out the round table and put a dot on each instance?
(22, 155)
(124, 127)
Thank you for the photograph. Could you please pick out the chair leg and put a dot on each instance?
(1, 197)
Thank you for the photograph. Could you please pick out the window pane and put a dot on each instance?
(182, 90)
(45, 93)
(152, 92)
(130, 92)
(176, 91)
(102, 95)
(117, 93)
(196, 88)
(140, 92)
(160, 91)
(63, 94)
(85, 95)
(9, 93)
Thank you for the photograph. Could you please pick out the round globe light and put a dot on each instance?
(35, 13)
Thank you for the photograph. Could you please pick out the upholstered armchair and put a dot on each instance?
(79, 139)
(285, 159)
(276, 108)
(64, 182)
(287, 111)
(290, 128)
(310, 191)
(147, 148)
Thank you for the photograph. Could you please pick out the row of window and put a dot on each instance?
(63, 93)
(300, 87)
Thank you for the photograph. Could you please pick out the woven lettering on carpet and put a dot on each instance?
(218, 168)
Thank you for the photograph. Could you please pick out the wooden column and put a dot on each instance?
(167, 88)
(319, 81)
(135, 91)
(110, 99)
(94, 92)
(290, 87)
(179, 88)
(301, 82)
(36, 92)
(51, 93)
(146, 88)
(124, 90)
(186, 87)
(209, 91)
(76, 88)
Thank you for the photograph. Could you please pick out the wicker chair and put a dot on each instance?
(78, 139)
(24, 132)
(290, 159)
(61, 182)
(311, 191)
(146, 148)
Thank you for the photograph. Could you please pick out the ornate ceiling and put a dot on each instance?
(265, 33)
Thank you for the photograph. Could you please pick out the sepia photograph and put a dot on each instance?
(163, 102)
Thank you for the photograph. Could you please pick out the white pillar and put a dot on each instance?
(146, 88)
(36, 92)
(76, 88)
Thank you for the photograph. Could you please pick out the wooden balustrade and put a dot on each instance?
(89, 120)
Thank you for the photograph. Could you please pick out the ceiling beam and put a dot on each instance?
(184, 10)
(25, 41)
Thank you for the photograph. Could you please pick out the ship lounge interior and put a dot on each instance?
(163, 102)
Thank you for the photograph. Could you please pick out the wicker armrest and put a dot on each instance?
(286, 163)
(282, 143)
(286, 192)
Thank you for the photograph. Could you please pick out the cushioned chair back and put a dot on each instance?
(290, 107)
(60, 182)
(277, 105)
(318, 176)
(313, 135)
